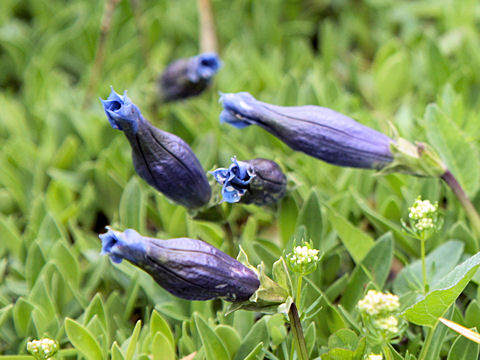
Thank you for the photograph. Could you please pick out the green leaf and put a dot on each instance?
(311, 218)
(83, 340)
(213, 345)
(158, 324)
(287, 218)
(472, 315)
(34, 264)
(463, 349)
(230, 338)
(256, 350)
(22, 315)
(133, 206)
(96, 308)
(67, 263)
(116, 352)
(392, 79)
(162, 348)
(258, 333)
(438, 264)
(373, 268)
(343, 338)
(459, 154)
(133, 341)
(434, 305)
(358, 243)
(338, 354)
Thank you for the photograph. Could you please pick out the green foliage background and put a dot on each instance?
(412, 66)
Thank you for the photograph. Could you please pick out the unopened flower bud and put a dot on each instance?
(163, 160)
(42, 349)
(185, 78)
(187, 268)
(258, 181)
(317, 131)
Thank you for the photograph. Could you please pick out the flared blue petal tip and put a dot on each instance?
(119, 111)
(122, 245)
(220, 175)
(109, 240)
(208, 65)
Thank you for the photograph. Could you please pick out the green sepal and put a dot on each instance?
(270, 297)
(416, 159)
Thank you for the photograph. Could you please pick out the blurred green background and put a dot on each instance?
(65, 173)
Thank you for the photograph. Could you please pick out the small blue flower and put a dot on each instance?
(187, 268)
(188, 77)
(258, 181)
(163, 160)
(317, 131)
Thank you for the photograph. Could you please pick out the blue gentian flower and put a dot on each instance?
(259, 181)
(163, 160)
(188, 77)
(317, 131)
(187, 268)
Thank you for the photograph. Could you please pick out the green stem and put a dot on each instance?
(462, 197)
(230, 238)
(298, 337)
(299, 290)
(387, 352)
(424, 267)
(427, 343)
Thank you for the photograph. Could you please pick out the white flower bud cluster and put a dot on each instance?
(303, 259)
(388, 324)
(375, 357)
(303, 255)
(375, 303)
(43, 348)
(423, 213)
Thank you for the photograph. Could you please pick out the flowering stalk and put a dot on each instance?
(297, 330)
(467, 205)
(424, 221)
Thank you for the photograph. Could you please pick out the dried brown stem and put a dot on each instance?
(208, 36)
(101, 47)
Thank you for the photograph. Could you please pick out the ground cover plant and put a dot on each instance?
(359, 243)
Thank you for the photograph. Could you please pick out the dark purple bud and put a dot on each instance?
(163, 160)
(187, 268)
(317, 131)
(188, 77)
(258, 181)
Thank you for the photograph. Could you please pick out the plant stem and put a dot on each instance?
(466, 203)
(427, 343)
(298, 337)
(230, 238)
(387, 352)
(424, 267)
(299, 290)
(208, 37)
(101, 46)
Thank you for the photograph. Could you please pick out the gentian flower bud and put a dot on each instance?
(187, 268)
(188, 77)
(163, 160)
(317, 131)
(258, 181)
